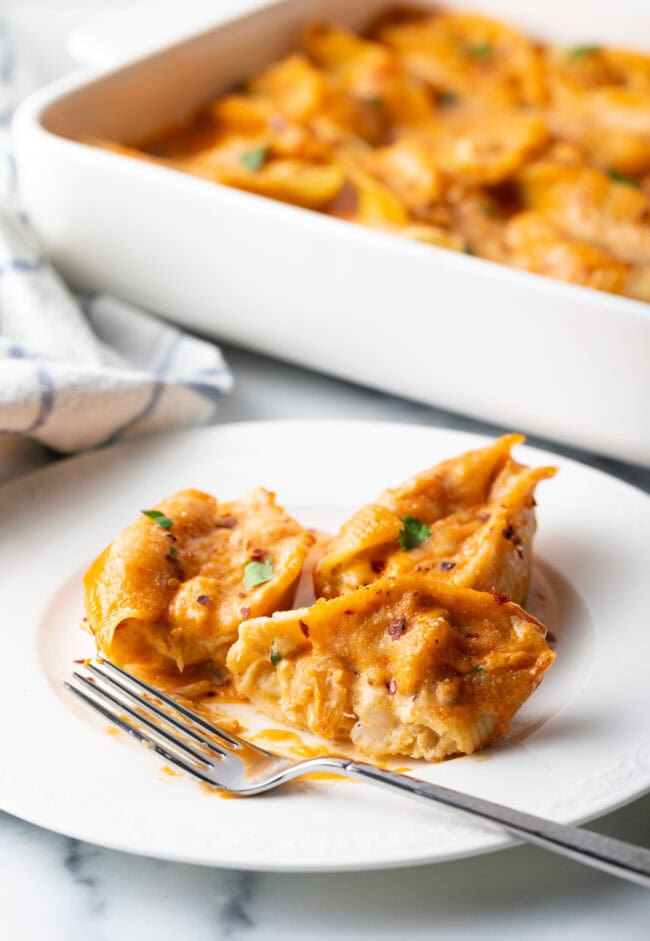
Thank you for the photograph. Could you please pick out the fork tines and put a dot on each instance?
(153, 718)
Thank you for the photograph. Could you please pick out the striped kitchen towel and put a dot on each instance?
(77, 373)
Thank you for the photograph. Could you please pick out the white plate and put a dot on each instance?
(579, 747)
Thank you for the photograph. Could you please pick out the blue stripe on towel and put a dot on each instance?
(46, 388)
(210, 371)
(21, 265)
(7, 56)
(156, 391)
(12, 174)
(212, 393)
(157, 387)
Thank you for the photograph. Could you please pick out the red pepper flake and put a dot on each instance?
(348, 611)
(484, 517)
(241, 594)
(304, 628)
(171, 537)
(391, 687)
(509, 533)
(397, 627)
(245, 611)
(204, 599)
(346, 202)
(447, 566)
(277, 123)
(500, 596)
(225, 522)
(257, 555)
(79, 661)
(378, 566)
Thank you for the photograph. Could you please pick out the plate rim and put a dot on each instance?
(479, 437)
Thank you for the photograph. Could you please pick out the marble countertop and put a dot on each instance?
(59, 888)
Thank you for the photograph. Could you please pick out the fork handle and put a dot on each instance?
(602, 852)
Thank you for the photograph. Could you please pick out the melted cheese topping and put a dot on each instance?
(413, 663)
(177, 596)
(404, 666)
(481, 512)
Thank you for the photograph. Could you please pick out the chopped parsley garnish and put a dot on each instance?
(619, 177)
(448, 98)
(257, 573)
(254, 159)
(581, 52)
(480, 51)
(173, 552)
(413, 533)
(375, 100)
(275, 656)
(488, 209)
(163, 521)
(479, 669)
(397, 627)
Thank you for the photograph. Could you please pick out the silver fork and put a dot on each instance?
(224, 760)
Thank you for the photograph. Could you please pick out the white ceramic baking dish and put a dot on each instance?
(458, 332)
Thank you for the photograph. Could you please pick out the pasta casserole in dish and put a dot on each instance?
(450, 128)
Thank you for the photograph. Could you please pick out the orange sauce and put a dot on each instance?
(322, 776)
(196, 680)
(214, 791)
(293, 746)
(225, 695)
(170, 772)
(218, 718)
(290, 742)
